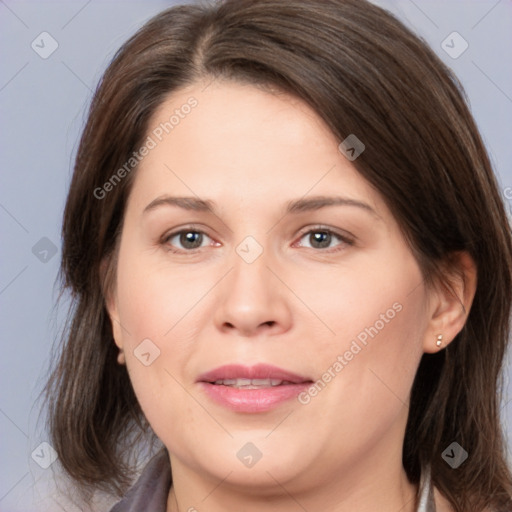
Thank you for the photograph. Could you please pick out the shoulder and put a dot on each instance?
(150, 491)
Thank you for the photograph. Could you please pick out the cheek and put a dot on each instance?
(157, 301)
(162, 310)
(367, 360)
(373, 300)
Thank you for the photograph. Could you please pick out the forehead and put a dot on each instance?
(239, 143)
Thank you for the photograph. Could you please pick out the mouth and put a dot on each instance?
(251, 389)
(251, 383)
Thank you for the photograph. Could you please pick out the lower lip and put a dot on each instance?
(253, 400)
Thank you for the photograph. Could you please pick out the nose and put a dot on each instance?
(253, 300)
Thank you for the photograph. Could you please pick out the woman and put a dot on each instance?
(291, 269)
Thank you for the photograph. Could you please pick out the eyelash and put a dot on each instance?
(346, 240)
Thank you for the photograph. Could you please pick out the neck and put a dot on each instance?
(361, 488)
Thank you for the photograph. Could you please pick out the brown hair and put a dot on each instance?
(364, 73)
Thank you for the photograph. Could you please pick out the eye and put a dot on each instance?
(189, 239)
(323, 238)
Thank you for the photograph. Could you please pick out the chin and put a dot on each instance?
(254, 460)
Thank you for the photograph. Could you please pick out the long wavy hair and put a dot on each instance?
(363, 72)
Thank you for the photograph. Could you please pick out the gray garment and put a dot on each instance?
(149, 493)
(426, 501)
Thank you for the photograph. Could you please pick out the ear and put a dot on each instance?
(450, 301)
(109, 293)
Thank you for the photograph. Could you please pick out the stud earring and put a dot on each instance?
(439, 341)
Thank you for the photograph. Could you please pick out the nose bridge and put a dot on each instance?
(251, 295)
(250, 275)
(250, 250)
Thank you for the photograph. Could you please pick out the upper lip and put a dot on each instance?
(258, 371)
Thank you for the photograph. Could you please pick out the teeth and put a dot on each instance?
(250, 383)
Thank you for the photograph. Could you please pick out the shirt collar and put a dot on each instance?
(426, 501)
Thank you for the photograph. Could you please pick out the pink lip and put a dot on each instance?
(252, 400)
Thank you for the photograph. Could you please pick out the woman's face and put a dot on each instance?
(282, 277)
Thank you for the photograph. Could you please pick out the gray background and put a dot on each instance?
(42, 111)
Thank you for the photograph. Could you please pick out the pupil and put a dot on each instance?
(190, 238)
(322, 238)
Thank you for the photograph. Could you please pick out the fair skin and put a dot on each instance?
(298, 306)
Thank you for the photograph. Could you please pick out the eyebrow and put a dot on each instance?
(295, 206)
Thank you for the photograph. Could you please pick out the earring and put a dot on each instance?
(439, 341)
